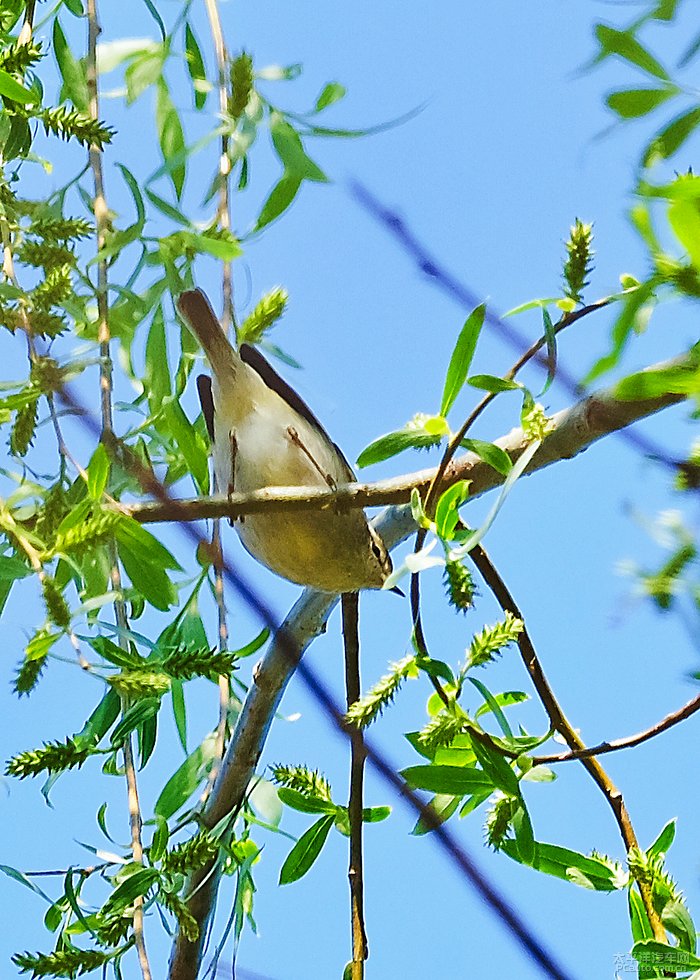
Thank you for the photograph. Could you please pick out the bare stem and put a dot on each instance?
(104, 336)
(561, 724)
(353, 687)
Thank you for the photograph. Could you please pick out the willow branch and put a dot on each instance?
(561, 724)
(353, 689)
(103, 336)
(630, 741)
(574, 429)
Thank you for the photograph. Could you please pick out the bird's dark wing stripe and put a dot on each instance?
(207, 403)
(252, 357)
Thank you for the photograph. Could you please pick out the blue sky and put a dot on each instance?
(504, 154)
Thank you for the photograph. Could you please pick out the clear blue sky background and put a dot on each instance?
(490, 174)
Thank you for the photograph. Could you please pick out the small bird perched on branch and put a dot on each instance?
(264, 435)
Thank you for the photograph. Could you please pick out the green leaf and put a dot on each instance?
(145, 70)
(496, 767)
(663, 842)
(569, 865)
(635, 102)
(167, 209)
(134, 717)
(490, 453)
(330, 94)
(12, 568)
(684, 218)
(671, 137)
(136, 885)
(443, 806)
(281, 196)
(305, 851)
(98, 472)
(160, 839)
(652, 954)
(195, 66)
(447, 508)
(625, 45)
(11, 89)
(639, 920)
(414, 436)
(303, 803)
(72, 71)
(679, 379)
(452, 780)
(101, 719)
(16, 875)
(290, 150)
(634, 305)
(493, 705)
(375, 814)
(551, 339)
(179, 710)
(186, 779)
(524, 836)
(677, 919)
(461, 359)
(503, 700)
(170, 136)
(487, 382)
(146, 560)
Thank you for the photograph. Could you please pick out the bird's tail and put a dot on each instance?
(195, 309)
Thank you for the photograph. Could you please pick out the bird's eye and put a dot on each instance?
(377, 551)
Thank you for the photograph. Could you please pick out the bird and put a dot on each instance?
(264, 435)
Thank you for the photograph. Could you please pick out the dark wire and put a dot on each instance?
(516, 925)
(465, 297)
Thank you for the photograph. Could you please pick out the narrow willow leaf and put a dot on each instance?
(551, 339)
(461, 359)
(639, 920)
(447, 508)
(487, 382)
(560, 861)
(303, 802)
(635, 102)
(664, 840)
(134, 717)
(13, 90)
(680, 379)
(663, 958)
(625, 45)
(290, 150)
(330, 94)
(684, 218)
(97, 472)
(179, 710)
(305, 851)
(185, 780)
(490, 453)
(195, 66)
(72, 72)
(496, 768)
(453, 780)
(524, 836)
(671, 137)
(492, 704)
(281, 196)
(393, 443)
(171, 137)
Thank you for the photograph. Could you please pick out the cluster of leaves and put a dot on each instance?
(308, 791)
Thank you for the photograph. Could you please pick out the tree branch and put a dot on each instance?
(561, 724)
(630, 741)
(574, 430)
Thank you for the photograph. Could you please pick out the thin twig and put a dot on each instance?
(107, 435)
(630, 741)
(350, 603)
(561, 724)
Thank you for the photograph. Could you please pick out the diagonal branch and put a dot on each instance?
(574, 429)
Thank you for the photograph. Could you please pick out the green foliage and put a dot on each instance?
(579, 260)
(491, 641)
(62, 963)
(307, 782)
(53, 757)
(197, 852)
(241, 76)
(459, 585)
(363, 712)
(267, 312)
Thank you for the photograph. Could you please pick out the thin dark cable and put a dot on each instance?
(465, 297)
(534, 948)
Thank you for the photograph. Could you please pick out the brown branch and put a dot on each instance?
(353, 687)
(574, 429)
(104, 336)
(630, 741)
(561, 724)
